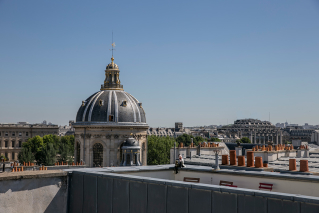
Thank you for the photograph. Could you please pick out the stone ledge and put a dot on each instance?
(31, 174)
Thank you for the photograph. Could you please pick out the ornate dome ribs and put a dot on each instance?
(111, 106)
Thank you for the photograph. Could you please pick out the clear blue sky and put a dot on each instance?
(199, 62)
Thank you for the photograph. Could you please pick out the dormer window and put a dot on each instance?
(101, 102)
(140, 105)
(124, 103)
(83, 103)
(111, 118)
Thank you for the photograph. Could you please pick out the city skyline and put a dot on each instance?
(208, 63)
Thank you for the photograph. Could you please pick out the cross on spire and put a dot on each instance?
(113, 45)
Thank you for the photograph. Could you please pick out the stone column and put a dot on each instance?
(251, 136)
(255, 139)
(277, 138)
(124, 152)
(16, 155)
(280, 137)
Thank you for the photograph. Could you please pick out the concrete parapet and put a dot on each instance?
(129, 193)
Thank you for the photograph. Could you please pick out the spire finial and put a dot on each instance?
(113, 45)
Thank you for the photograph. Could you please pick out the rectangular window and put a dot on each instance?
(6, 143)
(110, 117)
(13, 134)
(27, 134)
(20, 143)
(13, 143)
(6, 155)
(6, 134)
(20, 134)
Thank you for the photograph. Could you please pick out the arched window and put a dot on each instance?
(97, 155)
(78, 152)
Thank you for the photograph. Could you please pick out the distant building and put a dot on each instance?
(13, 135)
(109, 125)
(256, 130)
(171, 132)
(281, 125)
(315, 136)
(67, 129)
(298, 133)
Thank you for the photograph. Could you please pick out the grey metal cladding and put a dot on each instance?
(79, 115)
(125, 112)
(99, 113)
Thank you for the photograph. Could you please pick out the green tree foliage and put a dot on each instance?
(49, 154)
(186, 139)
(215, 140)
(44, 149)
(26, 155)
(69, 141)
(65, 153)
(159, 149)
(245, 140)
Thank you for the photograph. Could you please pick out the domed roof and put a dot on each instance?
(112, 105)
(130, 142)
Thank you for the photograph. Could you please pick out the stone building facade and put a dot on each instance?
(13, 135)
(105, 120)
(259, 132)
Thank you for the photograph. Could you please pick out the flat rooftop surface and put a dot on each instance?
(282, 164)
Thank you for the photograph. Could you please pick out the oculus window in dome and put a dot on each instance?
(111, 105)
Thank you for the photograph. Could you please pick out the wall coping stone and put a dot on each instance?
(31, 174)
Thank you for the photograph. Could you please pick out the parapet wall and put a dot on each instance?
(33, 192)
(109, 192)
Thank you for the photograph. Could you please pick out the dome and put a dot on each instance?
(130, 142)
(111, 105)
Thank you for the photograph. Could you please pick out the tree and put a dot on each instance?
(215, 140)
(26, 155)
(199, 139)
(245, 140)
(69, 141)
(186, 139)
(44, 150)
(65, 153)
(159, 149)
(49, 154)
